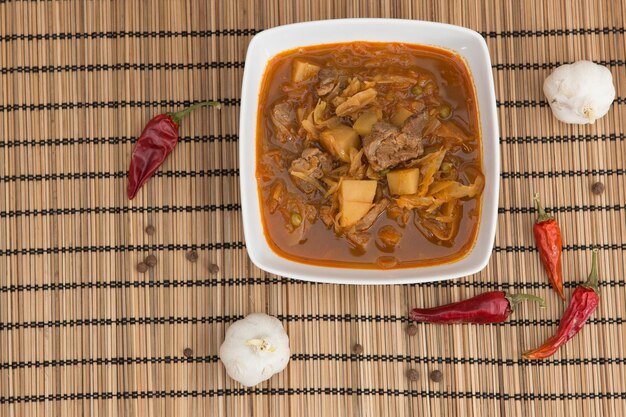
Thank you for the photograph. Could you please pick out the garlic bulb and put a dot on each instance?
(580, 92)
(255, 348)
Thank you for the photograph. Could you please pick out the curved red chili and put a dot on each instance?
(155, 143)
(549, 243)
(584, 301)
(489, 307)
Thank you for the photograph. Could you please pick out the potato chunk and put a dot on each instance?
(302, 70)
(339, 140)
(355, 200)
(362, 191)
(363, 125)
(403, 181)
(352, 212)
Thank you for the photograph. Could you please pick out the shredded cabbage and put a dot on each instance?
(310, 180)
(356, 102)
(415, 201)
(357, 167)
(353, 87)
(456, 190)
(429, 168)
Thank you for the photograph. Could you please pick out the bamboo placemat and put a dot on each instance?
(83, 333)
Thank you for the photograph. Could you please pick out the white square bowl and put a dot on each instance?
(465, 42)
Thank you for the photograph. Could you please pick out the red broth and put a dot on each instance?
(431, 84)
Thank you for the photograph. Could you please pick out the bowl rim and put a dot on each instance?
(258, 248)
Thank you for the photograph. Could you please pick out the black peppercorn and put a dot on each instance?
(436, 376)
(150, 260)
(141, 267)
(412, 374)
(411, 330)
(192, 256)
(597, 188)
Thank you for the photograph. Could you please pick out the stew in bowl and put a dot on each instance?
(369, 155)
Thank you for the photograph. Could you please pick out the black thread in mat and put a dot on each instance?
(561, 209)
(241, 245)
(113, 140)
(250, 31)
(113, 104)
(577, 247)
(124, 248)
(223, 101)
(550, 65)
(226, 172)
(126, 66)
(554, 32)
(333, 391)
(219, 172)
(273, 280)
(538, 103)
(333, 318)
(127, 34)
(168, 66)
(121, 140)
(121, 210)
(609, 137)
(558, 174)
(70, 211)
(306, 357)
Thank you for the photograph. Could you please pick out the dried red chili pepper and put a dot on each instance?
(548, 240)
(584, 301)
(489, 307)
(156, 142)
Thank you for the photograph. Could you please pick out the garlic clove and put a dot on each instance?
(254, 349)
(579, 93)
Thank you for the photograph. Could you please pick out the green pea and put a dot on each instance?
(444, 111)
(417, 90)
(446, 166)
(296, 219)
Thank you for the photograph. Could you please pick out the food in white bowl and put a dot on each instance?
(370, 154)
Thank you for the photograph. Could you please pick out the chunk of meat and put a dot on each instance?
(277, 193)
(328, 80)
(283, 117)
(327, 216)
(359, 239)
(368, 220)
(387, 146)
(313, 164)
(415, 125)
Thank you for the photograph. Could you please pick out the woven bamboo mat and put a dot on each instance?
(83, 333)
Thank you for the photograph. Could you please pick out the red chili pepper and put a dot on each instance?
(584, 301)
(548, 240)
(490, 307)
(156, 142)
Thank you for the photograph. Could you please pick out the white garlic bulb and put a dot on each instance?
(580, 92)
(255, 348)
